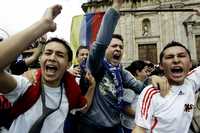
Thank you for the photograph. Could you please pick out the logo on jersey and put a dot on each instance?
(188, 107)
(181, 93)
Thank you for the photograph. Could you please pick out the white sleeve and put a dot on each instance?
(22, 85)
(194, 75)
(145, 107)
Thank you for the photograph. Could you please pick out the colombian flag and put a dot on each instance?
(84, 29)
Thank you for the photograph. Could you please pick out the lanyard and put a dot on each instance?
(37, 126)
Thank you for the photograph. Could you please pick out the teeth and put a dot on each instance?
(51, 65)
(51, 68)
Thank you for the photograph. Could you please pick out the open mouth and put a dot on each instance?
(177, 71)
(51, 69)
(116, 56)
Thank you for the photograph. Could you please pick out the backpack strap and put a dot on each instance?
(5, 107)
(30, 97)
(73, 92)
(27, 100)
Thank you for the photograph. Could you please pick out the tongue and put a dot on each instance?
(50, 71)
(116, 57)
(176, 74)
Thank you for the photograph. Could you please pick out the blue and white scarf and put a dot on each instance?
(115, 71)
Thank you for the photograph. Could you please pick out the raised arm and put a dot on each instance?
(14, 45)
(36, 52)
(104, 37)
(90, 92)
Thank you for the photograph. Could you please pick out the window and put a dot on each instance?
(148, 52)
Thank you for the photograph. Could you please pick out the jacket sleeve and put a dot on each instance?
(194, 75)
(129, 81)
(104, 37)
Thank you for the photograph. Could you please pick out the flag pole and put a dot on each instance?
(157, 10)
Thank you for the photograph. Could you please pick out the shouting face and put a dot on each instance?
(176, 63)
(54, 62)
(82, 55)
(115, 51)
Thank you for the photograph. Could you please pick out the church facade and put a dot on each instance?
(146, 33)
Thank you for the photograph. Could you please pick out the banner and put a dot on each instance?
(84, 29)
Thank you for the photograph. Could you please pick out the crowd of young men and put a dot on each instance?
(46, 95)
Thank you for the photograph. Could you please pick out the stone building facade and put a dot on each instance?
(146, 33)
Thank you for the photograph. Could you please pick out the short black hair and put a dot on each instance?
(65, 44)
(173, 44)
(118, 36)
(136, 65)
(79, 48)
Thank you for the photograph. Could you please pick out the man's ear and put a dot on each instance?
(137, 72)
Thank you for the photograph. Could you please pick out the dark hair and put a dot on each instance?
(157, 71)
(118, 36)
(173, 44)
(65, 44)
(79, 48)
(1, 39)
(136, 65)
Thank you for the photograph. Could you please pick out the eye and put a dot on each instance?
(121, 47)
(47, 53)
(114, 46)
(169, 56)
(60, 55)
(182, 55)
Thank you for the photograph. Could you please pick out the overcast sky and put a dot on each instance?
(15, 15)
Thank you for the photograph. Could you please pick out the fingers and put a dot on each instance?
(88, 75)
(74, 71)
(90, 78)
(117, 4)
(154, 80)
(50, 14)
(77, 70)
(161, 83)
(164, 86)
(56, 9)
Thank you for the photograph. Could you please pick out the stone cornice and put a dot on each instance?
(95, 4)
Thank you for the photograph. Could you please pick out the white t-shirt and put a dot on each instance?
(169, 114)
(54, 123)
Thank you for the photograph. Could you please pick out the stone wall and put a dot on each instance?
(154, 27)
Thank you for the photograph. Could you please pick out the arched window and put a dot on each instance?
(146, 27)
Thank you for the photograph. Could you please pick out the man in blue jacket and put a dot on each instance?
(104, 62)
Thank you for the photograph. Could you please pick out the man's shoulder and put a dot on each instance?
(150, 92)
(30, 74)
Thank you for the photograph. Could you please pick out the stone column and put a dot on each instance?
(191, 41)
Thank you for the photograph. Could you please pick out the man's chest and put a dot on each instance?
(177, 106)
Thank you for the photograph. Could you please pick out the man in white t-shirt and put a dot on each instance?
(57, 94)
(172, 113)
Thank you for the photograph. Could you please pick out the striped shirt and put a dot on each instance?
(169, 114)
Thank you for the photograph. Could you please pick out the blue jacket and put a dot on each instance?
(103, 112)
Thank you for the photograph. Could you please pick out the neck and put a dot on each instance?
(51, 84)
(138, 78)
(175, 83)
